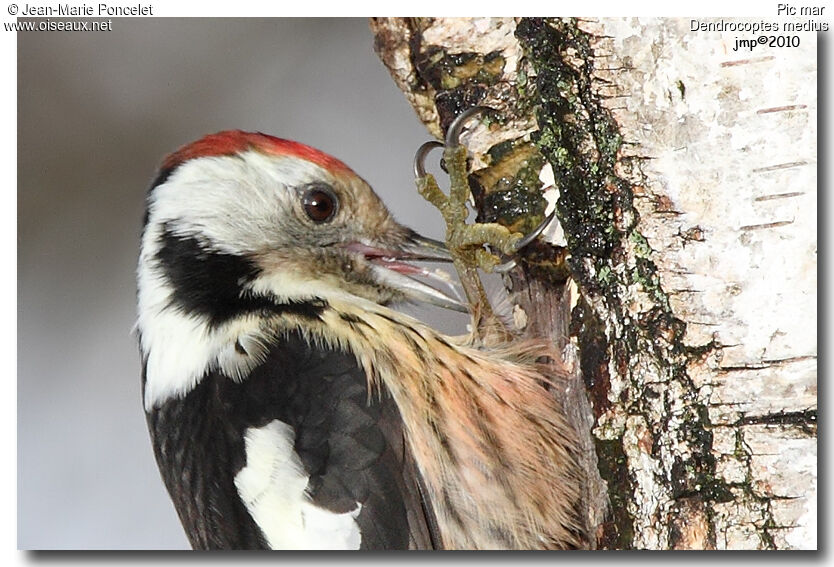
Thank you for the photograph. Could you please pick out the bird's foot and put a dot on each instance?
(472, 246)
(468, 241)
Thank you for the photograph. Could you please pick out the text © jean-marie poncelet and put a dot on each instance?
(85, 10)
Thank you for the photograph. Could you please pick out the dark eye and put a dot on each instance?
(319, 203)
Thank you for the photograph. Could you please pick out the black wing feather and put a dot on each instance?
(351, 444)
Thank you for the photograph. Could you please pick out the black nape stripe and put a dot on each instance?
(211, 283)
(161, 177)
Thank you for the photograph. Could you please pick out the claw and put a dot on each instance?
(420, 157)
(505, 267)
(454, 131)
(452, 139)
(464, 240)
(509, 265)
(534, 233)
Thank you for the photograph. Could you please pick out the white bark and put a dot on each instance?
(728, 204)
(721, 162)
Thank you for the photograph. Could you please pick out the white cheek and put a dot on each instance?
(273, 487)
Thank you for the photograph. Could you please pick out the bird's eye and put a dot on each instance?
(319, 203)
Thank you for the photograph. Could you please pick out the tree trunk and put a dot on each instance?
(681, 281)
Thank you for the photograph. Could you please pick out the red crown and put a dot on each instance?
(231, 142)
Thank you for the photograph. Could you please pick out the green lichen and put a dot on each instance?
(645, 274)
(516, 208)
(641, 245)
(581, 150)
(604, 275)
(582, 142)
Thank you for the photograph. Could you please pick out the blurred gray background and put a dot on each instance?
(96, 114)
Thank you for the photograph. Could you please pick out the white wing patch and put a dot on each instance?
(273, 487)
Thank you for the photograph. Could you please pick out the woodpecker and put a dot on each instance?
(290, 407)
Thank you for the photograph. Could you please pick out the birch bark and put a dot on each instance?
(684, 179)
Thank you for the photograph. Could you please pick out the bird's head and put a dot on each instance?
(239, 214)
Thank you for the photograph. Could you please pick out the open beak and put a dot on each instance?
(392, 268)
